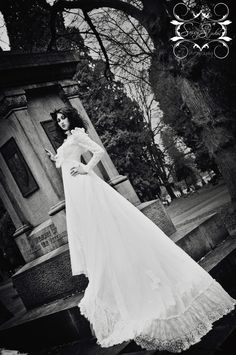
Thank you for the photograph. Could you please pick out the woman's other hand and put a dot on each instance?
(50, 154)
(77, 170)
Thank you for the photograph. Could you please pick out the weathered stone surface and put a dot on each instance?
(48, 278)
(155, 211)
(36, 67)
(221, 264)
(40, 240)
(44, 238)
(203, 238)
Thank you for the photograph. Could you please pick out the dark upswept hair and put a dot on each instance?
(75, 119)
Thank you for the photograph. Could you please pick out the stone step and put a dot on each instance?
(203, 236)
(88, 347)
(132, 349)
(49, 277)
(51, 324)
(60, 321)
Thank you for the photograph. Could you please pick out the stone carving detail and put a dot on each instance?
(70, 89)
(10, 102)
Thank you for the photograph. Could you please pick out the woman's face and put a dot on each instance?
(63, 121)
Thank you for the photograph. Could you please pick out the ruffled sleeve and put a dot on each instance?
(87, 143)
(57, 161)
(58, 158)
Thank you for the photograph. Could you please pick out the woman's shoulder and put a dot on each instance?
(78, 130)
(80, 134)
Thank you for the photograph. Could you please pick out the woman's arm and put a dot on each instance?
(51, 156)
(87, 143)
(55, 158)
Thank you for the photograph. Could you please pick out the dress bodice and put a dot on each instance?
(75, 145)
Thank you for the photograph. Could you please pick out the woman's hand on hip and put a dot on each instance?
(78, 170)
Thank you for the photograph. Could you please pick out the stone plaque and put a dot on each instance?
(44, 238)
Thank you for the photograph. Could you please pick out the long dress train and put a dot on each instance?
(142, 286)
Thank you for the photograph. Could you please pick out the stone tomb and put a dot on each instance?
(32, 86)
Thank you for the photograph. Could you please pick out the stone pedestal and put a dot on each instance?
(35, 242)
(155, 211)
(48, 278)
(58, 217)
(21, 239)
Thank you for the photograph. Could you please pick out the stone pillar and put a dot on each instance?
(121, 183)
(36, 234)
(22, 227)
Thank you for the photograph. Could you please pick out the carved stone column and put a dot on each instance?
(36, 233)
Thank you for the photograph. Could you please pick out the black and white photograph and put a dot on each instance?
(117, 177)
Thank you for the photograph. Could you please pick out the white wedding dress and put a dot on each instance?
(142, 286)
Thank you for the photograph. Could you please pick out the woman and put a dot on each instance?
(142, 286)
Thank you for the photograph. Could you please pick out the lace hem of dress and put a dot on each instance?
(173, 334)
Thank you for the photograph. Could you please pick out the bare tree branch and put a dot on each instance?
(139, 33)
(89, 5)
(128, 35)
(107, 71)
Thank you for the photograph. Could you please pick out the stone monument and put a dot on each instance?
(32, 87)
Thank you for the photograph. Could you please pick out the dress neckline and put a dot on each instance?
(65, 140)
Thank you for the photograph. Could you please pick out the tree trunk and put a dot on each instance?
(187, 185)
(28, 24)
(170, 190)
(216, 132)
(180, 191)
